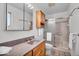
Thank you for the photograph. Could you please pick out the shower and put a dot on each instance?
(53, 33)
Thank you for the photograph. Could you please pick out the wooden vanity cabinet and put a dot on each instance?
(37, 51)
(40, 19)
(29, 53)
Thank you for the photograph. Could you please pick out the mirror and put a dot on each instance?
(28, 18)
(19, 16)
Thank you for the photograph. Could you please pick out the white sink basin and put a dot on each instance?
(5, 49)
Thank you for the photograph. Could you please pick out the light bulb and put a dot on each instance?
(29, 5)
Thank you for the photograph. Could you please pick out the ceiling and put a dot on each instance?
(48, 10)
(54, 8)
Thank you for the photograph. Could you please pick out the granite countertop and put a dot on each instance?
(22, 48)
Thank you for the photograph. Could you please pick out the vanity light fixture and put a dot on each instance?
(30, 6)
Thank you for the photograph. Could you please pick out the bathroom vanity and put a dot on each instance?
(37, 48)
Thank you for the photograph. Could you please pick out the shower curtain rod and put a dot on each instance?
(69, 14)
(73, 11)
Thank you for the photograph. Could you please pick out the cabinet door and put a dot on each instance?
(40, 18)
(39, 50)
(36, 51)
(29, 53)
(42, 48)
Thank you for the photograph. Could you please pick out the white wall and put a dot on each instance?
(13, 35)
(57, 15)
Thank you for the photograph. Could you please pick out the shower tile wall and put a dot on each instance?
(61, 38)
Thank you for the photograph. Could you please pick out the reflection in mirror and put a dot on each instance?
(19, 16)
(14, 16)
(28, 18)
